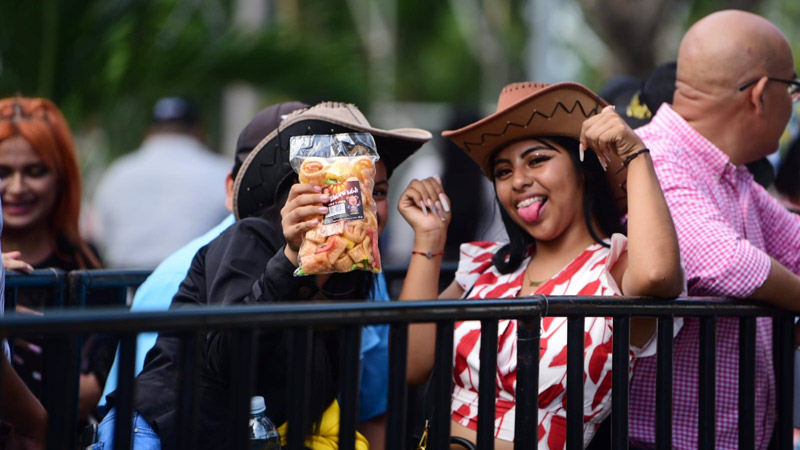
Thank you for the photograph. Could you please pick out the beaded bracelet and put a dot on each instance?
(633, 156)
(428, 255)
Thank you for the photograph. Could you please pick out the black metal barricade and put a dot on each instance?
(62, 356)
(68, 325)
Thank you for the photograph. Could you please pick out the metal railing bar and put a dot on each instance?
(62, 356)
(297, 394)
(442, 386)
(124, 398)
(189, 389)
(487, 389)
(243, 351)
(620, 389)
(350, 381)
(527, 395)
(707, 388)
(397, 403)
(664, 383)
(575, 350)
(282, 315)
(109, 278)
(747, 385)
(38, 278)
(784, 333)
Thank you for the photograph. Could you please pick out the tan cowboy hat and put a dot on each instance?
(532, 109)
(267, 166)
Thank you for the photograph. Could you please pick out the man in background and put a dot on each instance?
(156, 199)
(735, 86)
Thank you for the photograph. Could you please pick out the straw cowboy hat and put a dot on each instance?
(529, 109)
(267, 167)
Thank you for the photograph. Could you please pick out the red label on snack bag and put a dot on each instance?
(345, 202)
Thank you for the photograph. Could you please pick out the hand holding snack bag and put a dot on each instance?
(343, 166)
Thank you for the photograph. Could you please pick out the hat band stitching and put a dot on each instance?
(559, 104)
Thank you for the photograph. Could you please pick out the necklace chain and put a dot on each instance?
(532, 283)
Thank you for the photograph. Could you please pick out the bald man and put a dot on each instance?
(734, 91)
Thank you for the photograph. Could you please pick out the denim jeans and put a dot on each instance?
(142, 437)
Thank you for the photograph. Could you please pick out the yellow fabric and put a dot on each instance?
(327, 437)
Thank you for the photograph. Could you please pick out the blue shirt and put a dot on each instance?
(156, 293)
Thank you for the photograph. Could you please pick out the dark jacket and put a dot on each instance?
(244, 265)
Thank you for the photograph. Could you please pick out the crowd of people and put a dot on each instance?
(655, 200)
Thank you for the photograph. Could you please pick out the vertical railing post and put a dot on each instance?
(242, 364)
(124, 397)
(747, 382)
(707, 387)
(397, 403)
(350, 381)
(189, 389)
(442, 386)
(575, 350)
(620, 390)
(527, 396)
(300, 376)
(487, 389)
(664, 366)
(784, 379)
(62, 365)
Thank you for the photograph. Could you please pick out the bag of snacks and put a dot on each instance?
(343, 165)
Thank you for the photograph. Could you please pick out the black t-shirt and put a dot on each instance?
(244, 265)
(97, 352)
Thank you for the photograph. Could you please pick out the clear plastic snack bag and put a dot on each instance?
(343, 165)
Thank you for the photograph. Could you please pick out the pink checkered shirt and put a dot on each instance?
(727, 226)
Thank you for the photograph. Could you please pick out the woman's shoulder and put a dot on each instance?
(475, 258)
(479, 250)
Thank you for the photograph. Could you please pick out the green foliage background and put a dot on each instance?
(105, 62)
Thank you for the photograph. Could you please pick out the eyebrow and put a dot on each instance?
(535, 147)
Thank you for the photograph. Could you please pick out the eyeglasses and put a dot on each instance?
(793, 87)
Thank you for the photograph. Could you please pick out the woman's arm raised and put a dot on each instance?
(653, 261)
(426, 208)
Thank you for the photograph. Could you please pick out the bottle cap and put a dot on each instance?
(257, 405)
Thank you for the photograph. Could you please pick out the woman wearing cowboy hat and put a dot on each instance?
(562, 210)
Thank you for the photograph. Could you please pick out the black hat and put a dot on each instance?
(267, 166)
(262, 124)
(638, 100)
(175, 109)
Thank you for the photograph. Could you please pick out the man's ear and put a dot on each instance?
(229, 192)
(757, 95)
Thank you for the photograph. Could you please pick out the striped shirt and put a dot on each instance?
(728, 226)
(588, 274)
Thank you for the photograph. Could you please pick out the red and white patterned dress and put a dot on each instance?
(588, 274)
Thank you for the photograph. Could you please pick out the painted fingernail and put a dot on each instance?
(423, 208)
(439, 209)
(317, 188)
(436, 177)
(324, 198)
(323, 209)
(445, 203)
(433, 208)
(603, 165)
(581, 149)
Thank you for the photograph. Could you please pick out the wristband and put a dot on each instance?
(633, 156)
(428, 255)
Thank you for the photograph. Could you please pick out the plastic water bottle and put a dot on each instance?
(263, 434)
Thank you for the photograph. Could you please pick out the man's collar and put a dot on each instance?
(691, 140)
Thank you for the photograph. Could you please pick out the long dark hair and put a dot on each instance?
(598, 204)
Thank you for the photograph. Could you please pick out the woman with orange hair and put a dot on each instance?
(40, 189)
